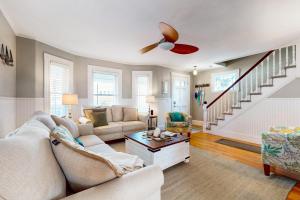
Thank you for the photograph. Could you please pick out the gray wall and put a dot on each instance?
(7, 73)
(205, 77)
(31, 64)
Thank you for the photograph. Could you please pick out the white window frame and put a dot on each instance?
(118, 72)
(48, 59)
(213, 75)
(135, 74)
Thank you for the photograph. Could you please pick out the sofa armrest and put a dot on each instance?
(143, 118)
(86, 129)
(136, 185)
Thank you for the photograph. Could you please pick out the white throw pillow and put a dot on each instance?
(68, 123)
(130, 114)
(117, 113)
(82, 168)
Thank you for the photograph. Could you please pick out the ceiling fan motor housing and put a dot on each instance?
(163, 44)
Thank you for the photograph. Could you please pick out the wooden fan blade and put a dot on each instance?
(169, 33)
(184, 49)
(148, 48)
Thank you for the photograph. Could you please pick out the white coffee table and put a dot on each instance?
(163, 153)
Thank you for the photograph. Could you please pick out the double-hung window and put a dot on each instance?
(104, 86)
(58, 81)
(221, 81)
(141, 88)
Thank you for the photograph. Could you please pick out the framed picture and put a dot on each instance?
(165, 87)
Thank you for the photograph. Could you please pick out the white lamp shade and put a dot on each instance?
(150, 99)
(70, 99)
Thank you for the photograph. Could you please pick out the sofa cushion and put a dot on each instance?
(109, 114)
(133, 126)
(45, 119)
(112, 127)
(130, 114)
(82, 167)
(28, 167)
(117, 113)
(99, 118)
(90, 140)
(68, 123)
(101, 148)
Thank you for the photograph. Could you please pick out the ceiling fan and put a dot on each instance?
(168, 42)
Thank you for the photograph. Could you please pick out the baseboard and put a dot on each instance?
(197, 122)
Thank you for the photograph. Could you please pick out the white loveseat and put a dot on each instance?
(117, 125)
(29, 170)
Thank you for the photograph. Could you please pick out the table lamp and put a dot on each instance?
(69, 100)
(150, 99)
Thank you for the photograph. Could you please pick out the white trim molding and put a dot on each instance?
(118, 72)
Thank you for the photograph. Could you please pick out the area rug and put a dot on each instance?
(209, 176)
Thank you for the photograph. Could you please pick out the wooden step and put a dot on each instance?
(227, 113)
(245, 100)
(290, 66)
(236, 107)
(279, 76)
(266, 85)
(213, 123)
(222, 119)
(255, 93)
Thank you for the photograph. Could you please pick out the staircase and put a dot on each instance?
(274, 70)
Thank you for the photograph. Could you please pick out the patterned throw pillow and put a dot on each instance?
(88, 112)
(64, 133)
(176, 117)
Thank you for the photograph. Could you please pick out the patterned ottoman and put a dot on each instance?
(281, 147)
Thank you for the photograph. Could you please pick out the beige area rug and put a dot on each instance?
(210, 176)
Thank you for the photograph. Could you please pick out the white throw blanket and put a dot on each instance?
(126, 161)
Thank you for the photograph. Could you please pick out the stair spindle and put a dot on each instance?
(274, 61)
(280, 64)
(294, 54)
(286, 56)
(268, 69)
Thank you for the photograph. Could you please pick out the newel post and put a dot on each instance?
(205, 121)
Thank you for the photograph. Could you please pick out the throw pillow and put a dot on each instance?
(176, 117)
(68, 123)
(130, 114)
(45, 119)
(117, 113)
(83, 168)
(99, 119)
(88, 112)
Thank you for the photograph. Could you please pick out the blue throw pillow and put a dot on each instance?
(176, 117)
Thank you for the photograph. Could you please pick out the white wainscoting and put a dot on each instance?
(8, 115)
(267, 113)
(26, 107)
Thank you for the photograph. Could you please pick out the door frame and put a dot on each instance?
(173, 75)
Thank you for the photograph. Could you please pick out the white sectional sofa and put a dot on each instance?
(117, 127)
(29, 169)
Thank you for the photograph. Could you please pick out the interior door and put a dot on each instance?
(180, 92)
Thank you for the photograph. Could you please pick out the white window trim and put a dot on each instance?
(173, 74)
(134, 88)
(48, 59)
(236, 71)
(92, 68)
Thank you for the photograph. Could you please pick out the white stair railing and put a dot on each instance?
(270, 66)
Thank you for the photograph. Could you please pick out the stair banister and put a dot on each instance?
(240, 78)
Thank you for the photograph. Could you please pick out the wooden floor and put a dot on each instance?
(207, 142)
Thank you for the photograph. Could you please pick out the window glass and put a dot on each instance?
(222, 81)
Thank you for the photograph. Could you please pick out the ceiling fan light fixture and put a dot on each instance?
(195, 72)
(167, 45)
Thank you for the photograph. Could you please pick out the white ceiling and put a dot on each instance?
(115, 30)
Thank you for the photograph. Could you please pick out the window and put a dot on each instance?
(104, 86)
(221, 81)
(58, 80)
(141, 88)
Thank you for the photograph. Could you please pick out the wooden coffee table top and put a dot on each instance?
(154, 145)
